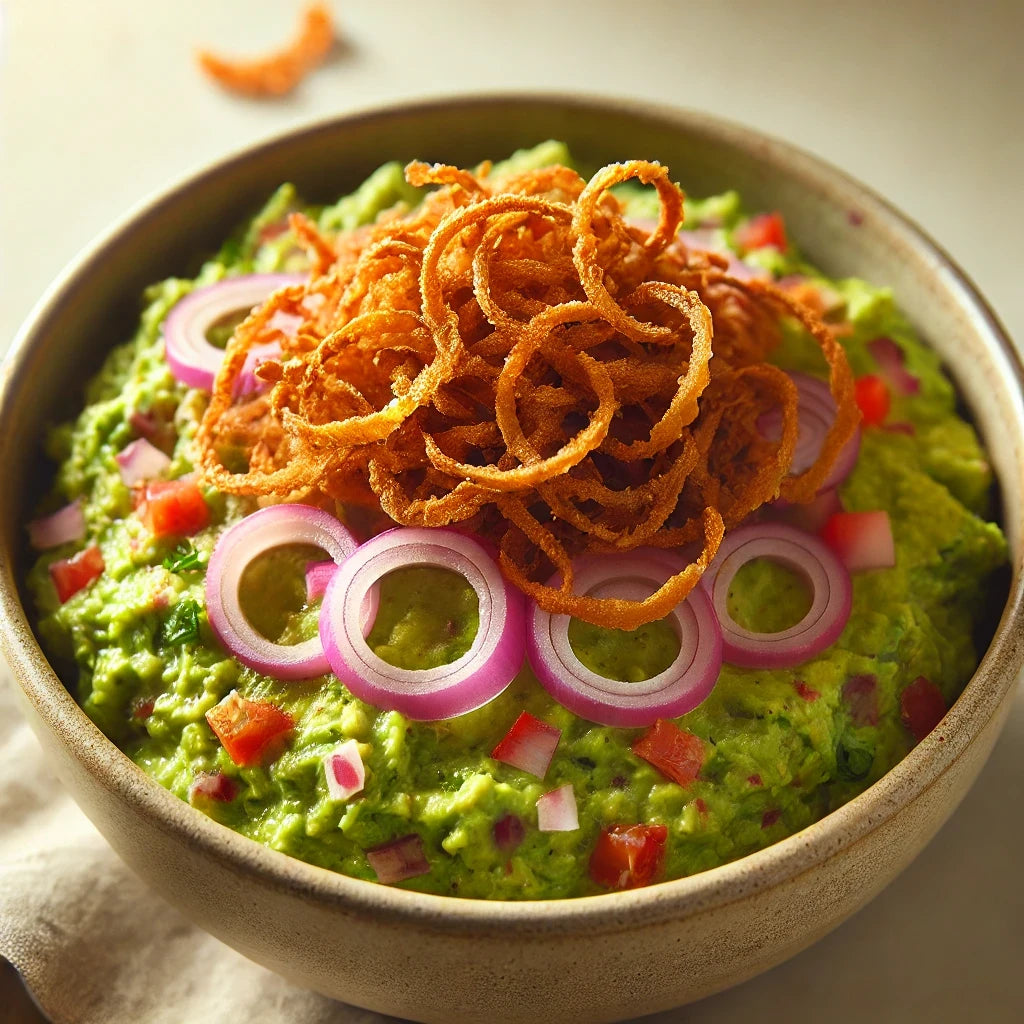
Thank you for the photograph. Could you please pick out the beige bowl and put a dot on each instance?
(434, 958)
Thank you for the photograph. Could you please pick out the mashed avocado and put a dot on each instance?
(783, 747)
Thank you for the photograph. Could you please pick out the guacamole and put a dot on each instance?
(780, 748)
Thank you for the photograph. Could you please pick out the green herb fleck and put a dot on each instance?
(854, 759)
(182, 625)
(184, 558)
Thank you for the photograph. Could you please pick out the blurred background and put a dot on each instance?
(101, 103)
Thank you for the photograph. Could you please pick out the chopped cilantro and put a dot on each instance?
(182, 625)
(184, 558)
(854, 759)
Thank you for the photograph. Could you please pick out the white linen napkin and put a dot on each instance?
(93, 944)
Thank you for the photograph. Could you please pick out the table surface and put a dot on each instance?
(101, 103)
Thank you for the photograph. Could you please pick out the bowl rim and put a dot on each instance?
(711, 889)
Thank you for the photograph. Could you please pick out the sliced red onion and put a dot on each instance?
(318, 575)
(706, 240)
(816, 412)
(892, 363)
(745, 271)
(398, 860)
(193, 360)
(62, 527)
(492, 661)
(529, 745)
(556, 811)
(809, 517)
(831, 595)
(861, 540)
(263, 531)
(140, 461)
(247, 383)
(344, 771)
(673, 692)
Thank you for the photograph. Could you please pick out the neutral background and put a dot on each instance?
(101, 103)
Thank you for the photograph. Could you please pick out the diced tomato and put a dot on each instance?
(172, 508)
(70, 575)
(770, 817)
(675, 752)
(628, 856)
(142, 709)
(755, 780)
(922, 707)
(806, 692)
(861, 696)
(762, 230)
(529, 745)
(873, 399)
(862, 540)
(248, 729)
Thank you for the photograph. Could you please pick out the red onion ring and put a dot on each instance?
(263, 531)
(832, 595)
(318, 575)
(673, 692)
(816, 412)
(490, 664)
(191, 357)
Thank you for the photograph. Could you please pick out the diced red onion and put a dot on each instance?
(140, 461)
(62, 527)
(508, 833)
(529, 745)
(901, 427)
(860, 694)
(398, 860)
(344, 770)
(318, 575)
(672, 692)
(816, 412)
(892, 363)
(861, 540)
(829, 582)
(556, 811)
(253, 536)
(213, 786)
(193, 360)
(492, 661)
(145, 424)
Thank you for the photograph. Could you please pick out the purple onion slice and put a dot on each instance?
(492, 661)
(193, 360)
(270, 528)
(673, 692)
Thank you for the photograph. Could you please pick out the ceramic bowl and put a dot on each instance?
(435, 958)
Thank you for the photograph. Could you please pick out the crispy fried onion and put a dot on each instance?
(281, 71)
(514, 356)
